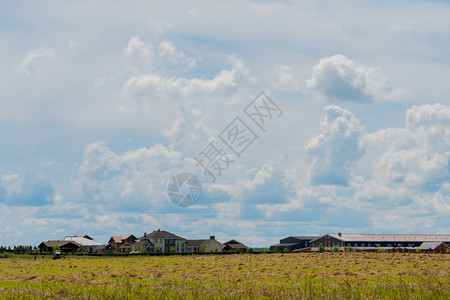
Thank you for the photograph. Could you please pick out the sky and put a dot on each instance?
(102, 103)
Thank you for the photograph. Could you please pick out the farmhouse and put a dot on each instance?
(292, 243)
(383, 241)
(102, 249)
(87, 243)
(142, 246)
(234, 245)
(117, 241)
(165, 242)
(209, 245)
(66, 246)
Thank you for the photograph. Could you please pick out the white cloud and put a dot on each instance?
(32, 63)
(153, 85)
(188, 130)
(286, 79)
(337, 148)
(169, 51)
(338, 78)
(136, 47)
(417, 156)
(30, 189)
(135, 180)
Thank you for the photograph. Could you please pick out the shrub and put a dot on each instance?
(276, 249)
(335, 249)
(382, 251)
(350, 249)
(249, 249)
(448, 251)
(418, 251)
(321, 248)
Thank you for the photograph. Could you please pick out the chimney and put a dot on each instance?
(212, 237)
(339, 234)
(159, 230)
(145, 234)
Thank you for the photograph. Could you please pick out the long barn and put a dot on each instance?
(435, 242)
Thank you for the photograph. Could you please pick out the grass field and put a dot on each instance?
(245, 276)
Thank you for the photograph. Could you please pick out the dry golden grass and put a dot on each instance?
(246, 276)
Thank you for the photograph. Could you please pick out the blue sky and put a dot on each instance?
(101, 104)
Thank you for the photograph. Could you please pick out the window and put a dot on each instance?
(363, 244)
(160, 240)
(389, 245)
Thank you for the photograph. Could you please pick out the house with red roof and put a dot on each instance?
(116, 241)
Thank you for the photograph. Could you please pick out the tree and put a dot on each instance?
(249, 249)
(276, 249)
(56, 247)
(321, 248)
(172, 249)
(201, 249)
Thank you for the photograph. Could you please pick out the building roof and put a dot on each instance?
(232, 242)
(284, 245)
(102, 247)
(125, 246)
(61, 243)
(143, 243)
(82, 241)
(389, 237)
(199, 243)
(302, 237)
(161, 234)
(431, 245)
(235, 246)
(120, 238)
(82, 236)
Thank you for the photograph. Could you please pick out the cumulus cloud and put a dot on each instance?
(417, 156)
(169, 51)
(134, 180)
(188, 129)
(31, 189)
(337, 148)
(137, 48)
(156, 85)
(338, 78)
